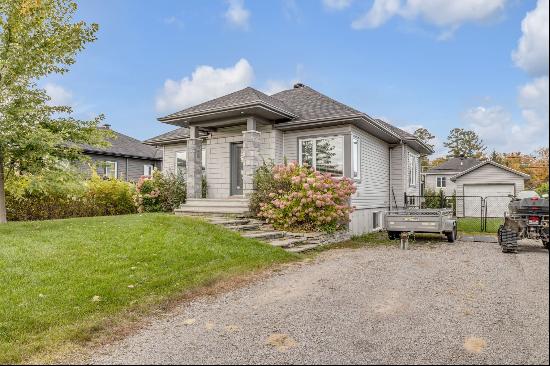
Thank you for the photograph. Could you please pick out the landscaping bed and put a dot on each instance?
(65, 281)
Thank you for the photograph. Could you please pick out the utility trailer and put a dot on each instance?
(421, 220)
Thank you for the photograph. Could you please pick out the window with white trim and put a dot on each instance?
(441, 182)
(181, 162)
(148, 170)
(111, 169)
(324, 154)
(356, 157)
(412, 170)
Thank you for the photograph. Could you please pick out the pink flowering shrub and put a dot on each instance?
(300, 198)
(161, 192)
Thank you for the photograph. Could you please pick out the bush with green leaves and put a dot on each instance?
(433, 198)
(163, 192)
(298, 198)
(57, 194)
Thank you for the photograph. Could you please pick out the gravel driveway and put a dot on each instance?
(462, 303)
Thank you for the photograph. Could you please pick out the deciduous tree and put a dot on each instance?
(38, 38)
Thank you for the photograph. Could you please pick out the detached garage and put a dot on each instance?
(492, 182)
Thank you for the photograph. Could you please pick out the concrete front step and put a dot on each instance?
(211, 210)
(210, 202)
(263, 235)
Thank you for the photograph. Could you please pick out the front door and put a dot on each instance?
(236, 169)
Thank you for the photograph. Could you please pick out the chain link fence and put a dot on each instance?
(473, 213)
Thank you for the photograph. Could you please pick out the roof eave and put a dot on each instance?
(180, 117)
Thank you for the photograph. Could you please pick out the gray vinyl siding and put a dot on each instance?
(290, 139)
(372, 188)
(412, 190)
(397, 176)
(129, 169)
(399, 181)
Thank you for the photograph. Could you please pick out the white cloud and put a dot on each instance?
(381, 12)
(499, 130)
(237, 14)
(442, 13)
(532, 52)
(205, 83)
(59, 95)
(337, 4)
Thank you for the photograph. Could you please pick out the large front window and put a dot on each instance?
(324, 154)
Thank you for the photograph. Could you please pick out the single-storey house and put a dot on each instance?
(229, 137)
(126, 158)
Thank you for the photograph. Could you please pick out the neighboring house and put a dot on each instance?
(439, 178)
(126, 158)
(491, 181)
(230, 137)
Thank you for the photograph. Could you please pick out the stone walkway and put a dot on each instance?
(291, 242)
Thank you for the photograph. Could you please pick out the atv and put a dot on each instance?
(527, 218)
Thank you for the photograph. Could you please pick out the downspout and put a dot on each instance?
(390, 177)
(126, 170)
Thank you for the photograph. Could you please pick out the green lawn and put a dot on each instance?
(473, 225)
(63, 282)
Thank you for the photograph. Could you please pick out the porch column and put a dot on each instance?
(194, 164)
(250, 155)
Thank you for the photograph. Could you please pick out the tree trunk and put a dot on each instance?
(3, 216)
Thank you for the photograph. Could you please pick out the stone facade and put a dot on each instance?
(251, 159)
(194, 168)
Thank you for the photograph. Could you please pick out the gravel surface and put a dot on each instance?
(463, 303)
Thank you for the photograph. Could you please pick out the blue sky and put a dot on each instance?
(438, 64)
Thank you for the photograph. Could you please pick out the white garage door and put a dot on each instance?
(496, 198)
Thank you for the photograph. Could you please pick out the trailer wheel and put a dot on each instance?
(451, 236)
(393, 235)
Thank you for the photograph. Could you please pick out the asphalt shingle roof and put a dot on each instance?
(309, 104)
(126, 146)
(241, 97)
(177, 134)
(399, 132)
(455, 165)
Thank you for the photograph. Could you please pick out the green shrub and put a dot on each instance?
(109, 197)
(63, 194)
(160, 193)
(294, 197)
(433, 198)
